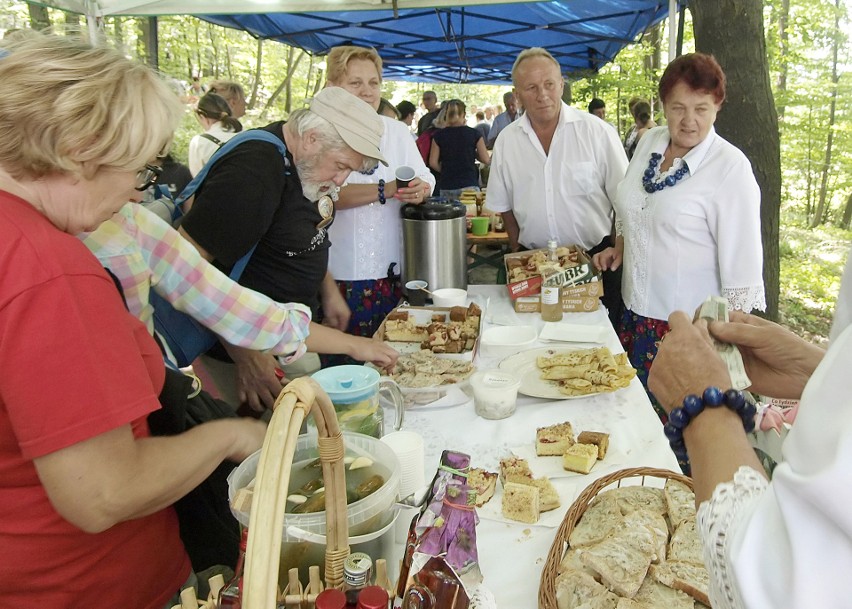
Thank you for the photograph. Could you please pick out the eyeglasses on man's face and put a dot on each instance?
(147, 177)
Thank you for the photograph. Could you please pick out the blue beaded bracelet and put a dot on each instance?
(693, 406)
(382, 192)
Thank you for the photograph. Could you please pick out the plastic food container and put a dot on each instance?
(369, 518)
(504, 341)
(449, 297)
(495, 393)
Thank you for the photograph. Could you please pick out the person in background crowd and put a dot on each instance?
(688, 215)
(430, 103)
(643, 121)
(784, 543)
(367, 234)
(214, 114)
(85, 492)
(598, 108)
(555, 170)
(388, 109)
(174, 175)
(406, 112)
(503, 120)
(455, 150)
(284, 210)
(233, 93)
(630, 136)
(482, 125)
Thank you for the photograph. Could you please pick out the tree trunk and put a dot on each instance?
(257, 66)
(72, 24)
(748, 119)
(847, 214)
(784, 43)
(39, 17)
(819, 215)
(291, 67)
(118, 31)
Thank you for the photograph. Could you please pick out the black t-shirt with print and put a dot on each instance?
(252, 196)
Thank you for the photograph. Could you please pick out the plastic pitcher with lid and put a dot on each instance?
(354, 391)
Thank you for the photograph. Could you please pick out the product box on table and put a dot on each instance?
(524, 281)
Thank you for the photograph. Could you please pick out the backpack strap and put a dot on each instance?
(212, 138)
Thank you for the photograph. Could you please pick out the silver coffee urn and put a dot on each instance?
(434, 241)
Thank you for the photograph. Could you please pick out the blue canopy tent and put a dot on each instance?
(465, 43)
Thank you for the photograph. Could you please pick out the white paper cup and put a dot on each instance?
(449, 297)
(408, 447)
(495, 393)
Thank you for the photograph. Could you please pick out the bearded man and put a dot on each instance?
(254, 196)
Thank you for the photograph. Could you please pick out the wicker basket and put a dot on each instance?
(299, 398)
(547, 586)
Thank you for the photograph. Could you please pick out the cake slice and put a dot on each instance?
(548, 498)
(484, 483)
(553, 440)
(598, 438)
(580, 458)
(521, 502)
(514, 469)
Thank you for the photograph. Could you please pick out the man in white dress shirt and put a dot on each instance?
(555, 170)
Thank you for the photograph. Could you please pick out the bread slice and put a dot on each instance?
(632, 498)
(629, 603)
(621, 566)
(521, 502)
(514, 469)
(599, 520)
(572, 562)
(484, 483)
(637, 531)
(680, 502)
(684, 576)
(553, 440)
(657, 524)
(654, 594)
(686, 545)
(576, 589)
(598, 438)
(580, 458)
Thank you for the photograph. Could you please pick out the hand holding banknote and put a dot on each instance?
(715, 308)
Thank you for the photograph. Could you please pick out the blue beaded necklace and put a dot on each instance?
(648, 177)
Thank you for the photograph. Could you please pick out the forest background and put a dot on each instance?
(808, 53)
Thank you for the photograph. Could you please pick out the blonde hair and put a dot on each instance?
(230, 90)
(71, 108)
(339, 57)
(530, 54)
(453, 113)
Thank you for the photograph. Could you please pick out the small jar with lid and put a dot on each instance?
(357, 573)
(330, 599)
(373, 597)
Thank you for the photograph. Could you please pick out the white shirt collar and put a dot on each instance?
(694, 157)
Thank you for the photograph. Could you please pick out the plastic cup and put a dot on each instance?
(404, 174)
(495, 393)
(414, 292)
(449, 297)
(408, 447)
(479, 225)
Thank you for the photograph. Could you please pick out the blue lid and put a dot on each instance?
(347, 384)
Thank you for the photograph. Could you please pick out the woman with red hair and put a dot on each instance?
(688, 215)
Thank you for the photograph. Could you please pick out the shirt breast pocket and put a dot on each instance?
(581, 178)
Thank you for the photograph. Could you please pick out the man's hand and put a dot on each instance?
(686, 362)
(257, 384)
(335, 311)
(778, 362)
(377, 352)
(608, 259)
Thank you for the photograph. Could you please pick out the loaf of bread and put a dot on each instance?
(684, 576)
(580, 458)
(521, 502)
(553, 440)
(598, 438)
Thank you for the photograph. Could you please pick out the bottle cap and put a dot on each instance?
(331, 598)
(357, 569)
(373, 597)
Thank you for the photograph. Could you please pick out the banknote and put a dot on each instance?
(715, 308)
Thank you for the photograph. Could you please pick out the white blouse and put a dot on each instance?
(788, 543)
(698, 238)
(201, 148)
(366, 239)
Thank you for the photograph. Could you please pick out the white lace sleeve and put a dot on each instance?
(715, 518)
(745, 299)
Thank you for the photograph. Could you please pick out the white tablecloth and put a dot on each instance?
(512, 555)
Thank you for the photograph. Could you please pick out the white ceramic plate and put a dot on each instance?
(524, 365)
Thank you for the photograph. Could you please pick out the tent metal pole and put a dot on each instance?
(92, 21)
(672, 30)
